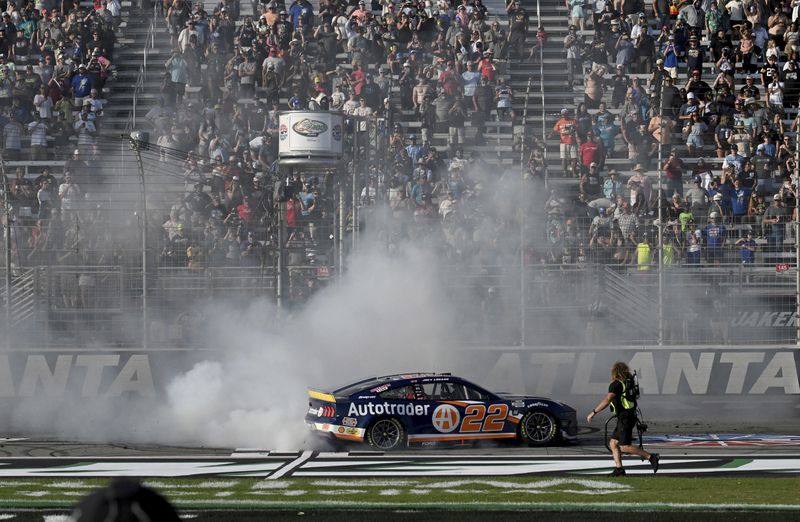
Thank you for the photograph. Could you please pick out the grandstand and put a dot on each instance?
(222, 220)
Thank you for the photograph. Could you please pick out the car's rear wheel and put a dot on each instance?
(386, 434)
(538, 428)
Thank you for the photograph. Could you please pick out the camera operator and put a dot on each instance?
(625, 410)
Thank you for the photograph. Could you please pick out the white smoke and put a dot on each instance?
(387, 315)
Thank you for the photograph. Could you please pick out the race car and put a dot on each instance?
(427, 409)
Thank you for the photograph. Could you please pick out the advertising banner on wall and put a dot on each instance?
(736, 376)
(682, 379)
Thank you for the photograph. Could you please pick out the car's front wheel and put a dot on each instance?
(386, 434)
(538, 428)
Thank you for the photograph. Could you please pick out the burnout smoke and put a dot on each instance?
(387, 315)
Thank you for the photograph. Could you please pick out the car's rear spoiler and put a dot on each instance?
(323, 396)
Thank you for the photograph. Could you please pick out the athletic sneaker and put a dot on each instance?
(654, 457)
(618, 472)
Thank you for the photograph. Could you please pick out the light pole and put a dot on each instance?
(138, 141)
(7, 231)
(660, 219)
(797, 240)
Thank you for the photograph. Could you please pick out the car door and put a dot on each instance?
(485, 416)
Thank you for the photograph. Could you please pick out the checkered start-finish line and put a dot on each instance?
(275, 465)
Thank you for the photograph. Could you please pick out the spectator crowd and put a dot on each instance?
(699, 94)
(400, 72)
(704, 93)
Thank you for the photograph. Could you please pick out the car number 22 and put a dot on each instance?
(478, 418)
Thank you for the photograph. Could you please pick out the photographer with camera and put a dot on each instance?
(622, 393)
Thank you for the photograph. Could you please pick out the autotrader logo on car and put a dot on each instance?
(445, 418)
(387, 409)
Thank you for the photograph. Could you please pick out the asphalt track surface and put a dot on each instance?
(591, 442)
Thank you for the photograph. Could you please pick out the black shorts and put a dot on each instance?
(623, 432)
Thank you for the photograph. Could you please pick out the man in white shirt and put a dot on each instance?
(736, 9)
(351, 105)
(38, 131)
(95, 103)
(86, 130)
(363, 109)
(186, 34)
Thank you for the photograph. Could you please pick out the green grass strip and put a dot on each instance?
(641, 493)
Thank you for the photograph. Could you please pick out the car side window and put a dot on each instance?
(403, 392)
(444, 391)
(474, 395)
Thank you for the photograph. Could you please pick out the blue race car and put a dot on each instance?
(429, 409)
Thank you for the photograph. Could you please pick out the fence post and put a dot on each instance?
(7, 231)
(136, 145)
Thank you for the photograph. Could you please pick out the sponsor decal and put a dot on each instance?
(283, 132)
(537, 404)
(381, 388)
(764, 319)
(341, 429)
(350, 421)
(367, 396)
(352, 431)
(477, 419)
(445, 418)
(518, 404)
(387, 408)
(336, 132)
(314, 411)
(310, 128)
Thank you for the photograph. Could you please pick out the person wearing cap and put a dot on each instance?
(81, 85)
(625, 52)
(692, 106)
(590, 184)
(673, 172)
(697, 85)
(733, 160)
(692, 12)
(573, 44)
(715, 234)
(591, 151)
(566, 129)
(670, 54)
(741, 138)
(747, 248)
(776, 217)
(302, 14)
(694, 140)
(657, 77)
(791, 83)
(770, 70)
(517, 29)
(739, 201)
(749, 90)
(359, 12)
(613, 186)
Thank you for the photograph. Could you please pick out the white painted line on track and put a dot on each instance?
(288, 468)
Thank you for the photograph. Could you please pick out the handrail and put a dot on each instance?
(541, 90)
(149, 43)
(522, 165)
